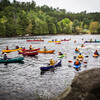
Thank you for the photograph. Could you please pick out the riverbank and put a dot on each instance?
(85, 86)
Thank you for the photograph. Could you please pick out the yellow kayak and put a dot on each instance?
(95, 55)
(50, 51)
(54, 41)
(8, 51)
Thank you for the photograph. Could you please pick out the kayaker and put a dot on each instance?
(60, 53)
(82, 45)
(7, 48)
(30, 47)
(44, 49)
(76, 49)
(90, 40)
(74, 41)
(51, 61)
(80, 56)
(77, 62)
(5, 56)
(52, 39)
(96, 53)
(17, 47)
(23, 49)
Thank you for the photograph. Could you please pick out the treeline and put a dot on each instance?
(22, 18)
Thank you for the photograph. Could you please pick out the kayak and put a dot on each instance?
(66, 40)
(61, 56)
(28, 53)
(76, 51)
(92, 41)
(52, 66)
(82, 46)
(12, 50)
(50, 51)
(21, 52)
(54, 41)
(77, 66)
(35, 40)
(12, 60)
(95, 55)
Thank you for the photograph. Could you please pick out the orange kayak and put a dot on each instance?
(50, 51)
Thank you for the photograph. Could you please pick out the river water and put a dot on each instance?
(24, 81)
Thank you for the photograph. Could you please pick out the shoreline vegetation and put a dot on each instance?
(22, 18)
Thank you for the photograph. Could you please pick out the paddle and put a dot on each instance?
(85, 62)
(70, 61)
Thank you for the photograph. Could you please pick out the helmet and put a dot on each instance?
(51, 57)
(5, 53)
(79, 53)
(96, 50)
(77, 58)
(30, 45)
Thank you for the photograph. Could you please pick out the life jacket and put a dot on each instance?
(80, 56)
(76, 50)
(5, 57)
(31, 48)
(44, 49)
(51, 62)
(77, 63)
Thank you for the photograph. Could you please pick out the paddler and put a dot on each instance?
(96, 53)
(82, 45)
(51, 61)
(60, 53)
(80, 56)
(30, 47)
(44, 49)
(7, 48)
(77, 62)
(76, 49)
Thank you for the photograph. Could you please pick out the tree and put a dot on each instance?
(93, 27)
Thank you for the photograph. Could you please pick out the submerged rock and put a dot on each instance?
(85, 86)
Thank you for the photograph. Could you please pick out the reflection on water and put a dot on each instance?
(25, 80)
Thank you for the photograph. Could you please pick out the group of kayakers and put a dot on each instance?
(77, 62)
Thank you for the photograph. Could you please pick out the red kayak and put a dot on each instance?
(58, 43)
(66, 40)
(21, 52)
(35, 40)
(28, 53)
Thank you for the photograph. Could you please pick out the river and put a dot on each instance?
(24, 81)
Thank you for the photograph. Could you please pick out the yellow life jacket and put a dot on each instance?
(80, 56)
(51, 62)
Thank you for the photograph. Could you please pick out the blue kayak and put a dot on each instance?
(49, 67)
(77, 66)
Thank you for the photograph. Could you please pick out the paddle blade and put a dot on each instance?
(65, 53)
(70, 61)
(86, 56)
(85, 62)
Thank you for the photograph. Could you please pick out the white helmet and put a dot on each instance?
(5, 53)
(51, 57)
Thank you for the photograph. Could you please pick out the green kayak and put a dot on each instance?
(61, 56)
(12, 60)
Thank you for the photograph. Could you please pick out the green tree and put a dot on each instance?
(93, 27)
